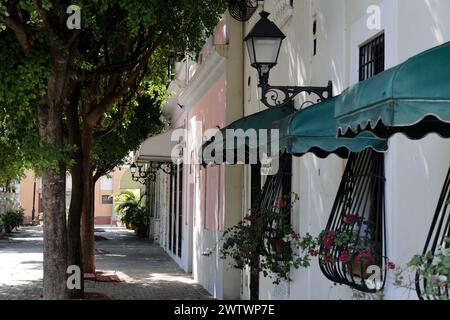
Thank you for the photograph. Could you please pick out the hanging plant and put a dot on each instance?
(266, 242)
(430, 268)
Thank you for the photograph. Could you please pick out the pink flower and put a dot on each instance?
(344, 256)
(366, 254)
(434, 277)
(391, 266)
(442, 283)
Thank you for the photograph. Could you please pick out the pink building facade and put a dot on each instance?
(194, 205)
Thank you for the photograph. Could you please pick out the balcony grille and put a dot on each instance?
(356, 227)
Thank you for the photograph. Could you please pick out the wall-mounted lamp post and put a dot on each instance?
(264, 44)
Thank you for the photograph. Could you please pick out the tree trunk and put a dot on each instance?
(87, 224)
(75, 209)
(54, 185)
(74, 224)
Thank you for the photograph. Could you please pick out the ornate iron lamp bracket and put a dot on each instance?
(280, 96)
(142, 175)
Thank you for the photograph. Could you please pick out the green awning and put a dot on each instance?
(250, 126)
(412, 98)
(313, 130)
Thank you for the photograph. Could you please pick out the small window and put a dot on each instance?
(107, 199)
(314, 30)
(371, 58)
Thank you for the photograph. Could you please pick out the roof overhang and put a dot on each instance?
(157, 149)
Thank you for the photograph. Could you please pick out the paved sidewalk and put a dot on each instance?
(150, 274)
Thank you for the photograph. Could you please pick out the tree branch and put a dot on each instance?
(20, 32)
(98, 109)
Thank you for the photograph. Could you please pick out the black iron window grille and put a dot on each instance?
(171, 193)
(353, 248)
(437, 239)
(275, 188)
(174, 211)
(266, 200)
(371, 58)
(180, 209)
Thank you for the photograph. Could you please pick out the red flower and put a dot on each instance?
(326, 259)
(364, 256)
(344, 256)
(350, 219)
(391, 266)
(327, 244)
(367, 254)
(314, 253)
(278, 201)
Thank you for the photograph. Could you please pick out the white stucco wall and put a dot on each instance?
(415, 170)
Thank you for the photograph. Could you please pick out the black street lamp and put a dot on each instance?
(133, 168)
(264, 44)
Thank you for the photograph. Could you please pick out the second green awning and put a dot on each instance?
(412, 98)
(313, 130)
(242, 136)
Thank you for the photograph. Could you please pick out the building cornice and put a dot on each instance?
(207, 74)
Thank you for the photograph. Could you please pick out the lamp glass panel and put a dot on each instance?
(251, 51)
(266, 50)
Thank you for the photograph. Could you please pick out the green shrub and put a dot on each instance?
(12, 219)
(131, 211)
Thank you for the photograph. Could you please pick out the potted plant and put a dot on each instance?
(13, 219)
(132, 213)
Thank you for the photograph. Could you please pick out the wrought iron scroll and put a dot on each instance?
(353, 245)
(149, 171)
(437, 236)
(279, 96)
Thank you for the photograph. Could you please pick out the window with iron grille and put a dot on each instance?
(275, 187)
(353, 243)
(371, 58)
